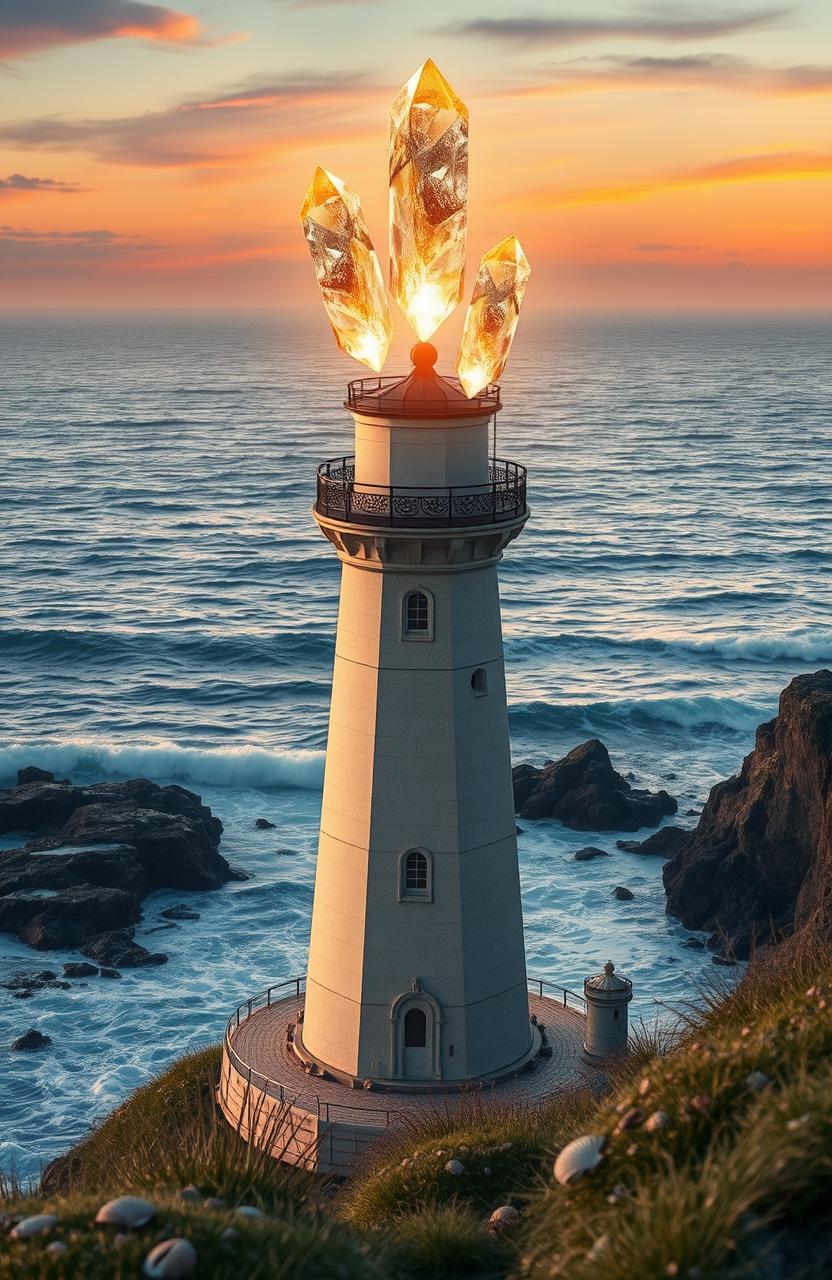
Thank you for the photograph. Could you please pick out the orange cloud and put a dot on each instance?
(43, 24)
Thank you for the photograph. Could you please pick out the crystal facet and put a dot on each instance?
(492, 315)
(347, 268)
(428, 198)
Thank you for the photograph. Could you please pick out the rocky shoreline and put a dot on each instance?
(93, 854)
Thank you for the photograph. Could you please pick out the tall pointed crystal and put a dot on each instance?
(492, 315)
(428, 199)
(347, 268)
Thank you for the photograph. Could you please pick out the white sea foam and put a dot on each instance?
(218, 767)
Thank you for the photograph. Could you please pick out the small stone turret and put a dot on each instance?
(607, 997)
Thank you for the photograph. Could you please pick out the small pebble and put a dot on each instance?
(170, 1260)
(56, 1249)
(632, 1149)
(455, 1167)
(630, 1120)
(601, 1244)
(487, 1171)
(658, 1120)
(672, 1269)
(757, 1080)
(504, 1218)
(506, 1146)
(249, 1211)
(798, 1123)
(701, 1103)
(214, 1202)
(190, 1194)
(229, 1234)
(644, 1087)
(125, 1211)
(38, 1225)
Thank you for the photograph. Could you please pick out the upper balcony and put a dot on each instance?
(340, 498)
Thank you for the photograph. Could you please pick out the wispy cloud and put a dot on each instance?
(251, 122)
(697, 70)
(98, 237)
(788, 165)
(656, 23)
(18, 183)
(30, 25)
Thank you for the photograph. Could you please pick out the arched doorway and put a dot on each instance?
(416, 1026)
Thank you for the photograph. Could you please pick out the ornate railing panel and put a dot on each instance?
(339, 497)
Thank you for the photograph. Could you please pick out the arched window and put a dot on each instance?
(479, 682)
(417, 616)
(415, 1029)
(415, 876)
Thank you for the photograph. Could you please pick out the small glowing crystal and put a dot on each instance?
(492, 315)
(347, 268)
(428, 199)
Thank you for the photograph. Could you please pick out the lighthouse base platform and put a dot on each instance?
(319, 1122)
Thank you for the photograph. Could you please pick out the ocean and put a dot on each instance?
(167, 608)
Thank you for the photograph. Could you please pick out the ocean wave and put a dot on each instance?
(275, 649)
(700, 714)
(806, 644)
(237, 767)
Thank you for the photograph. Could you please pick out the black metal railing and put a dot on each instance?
(369, 395)
(340, 497)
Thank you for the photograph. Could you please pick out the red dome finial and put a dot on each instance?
(424, 356)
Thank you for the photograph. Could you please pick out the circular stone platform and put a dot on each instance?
(320, 1123)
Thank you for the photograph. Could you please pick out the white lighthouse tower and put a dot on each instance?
(416, 970)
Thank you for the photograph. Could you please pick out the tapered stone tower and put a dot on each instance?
(417, 971)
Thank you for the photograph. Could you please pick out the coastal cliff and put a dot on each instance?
(759, 864)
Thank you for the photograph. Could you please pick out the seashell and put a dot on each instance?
(56, 1249)
(229, 1234)
(631, 1120)
(504, 1218)
(632, 1150)
(190, 1194)
(404, 1163)
(701, 1103)
(455, 1167)
(125, 1211)
(757, 1080)
(658, 1120)
(487, 1171)
(600, 1246)
(506, 1146)
(170, 1259)
(644, 1087)
(249, 1211)
(578, 1157)
(38, 1225)
(798, 1122)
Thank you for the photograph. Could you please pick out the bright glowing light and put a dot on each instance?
(348, 269)
(492, 315)
(428, 199)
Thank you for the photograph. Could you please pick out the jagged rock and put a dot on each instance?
(623, 893)
(179, 912)
(590, 852)
(32, 774)
(664, 843)
(30, 1040)
(585, 793)
(96, 843)
(80, 969)
(759, 863)
(29, 980)
(263, 824)
(118, 949)
(695, 944)
(104, 972)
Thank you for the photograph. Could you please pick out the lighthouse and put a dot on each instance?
(416, 970)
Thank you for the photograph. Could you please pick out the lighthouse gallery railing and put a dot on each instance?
(339, 497)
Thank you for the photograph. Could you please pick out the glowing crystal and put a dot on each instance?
(428, 199)
(492, 315)
(347, 268)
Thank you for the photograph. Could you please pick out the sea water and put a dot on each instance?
(167, 608)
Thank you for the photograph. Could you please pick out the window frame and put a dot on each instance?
(413, 894)
(422, 635)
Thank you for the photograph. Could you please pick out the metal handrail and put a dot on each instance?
(328, 1110)
(368, 393)
(340, 497)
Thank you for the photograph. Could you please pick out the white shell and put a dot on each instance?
(757, 1080)
(125, 1211)
(658, 1120)
(170, 1259)
(578, 1157)
(56, 1249)
(455, 1167)
(504, 1218)
(249, 1211)
(35, 1226)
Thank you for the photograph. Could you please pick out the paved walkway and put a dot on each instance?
(260, 1043)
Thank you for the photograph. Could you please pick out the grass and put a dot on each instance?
(736, 1186)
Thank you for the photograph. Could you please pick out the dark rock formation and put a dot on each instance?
(31, 1039)
(32, 774)
(105, 972)
(585, 793)
(759, 864)
(30, 980)
(263, 824)
(696, 944)
(590, 852)
(80, 969)
(622, 893)
(97, 852)
(179, 912)
(119, 949)
(664, 843)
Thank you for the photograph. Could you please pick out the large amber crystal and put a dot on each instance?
(428, 195)
(347, 268)
(492, 315)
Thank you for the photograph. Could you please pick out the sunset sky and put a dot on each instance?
(647, 155)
